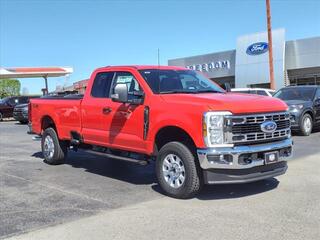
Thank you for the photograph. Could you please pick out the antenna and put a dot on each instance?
(158, 57)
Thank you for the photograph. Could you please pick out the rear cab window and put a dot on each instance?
(102, 85)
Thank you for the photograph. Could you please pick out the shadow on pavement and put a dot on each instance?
(215, 192)
(111, 168)
(228, 191)
(145, 175)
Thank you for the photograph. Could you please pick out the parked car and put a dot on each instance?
(7, 105)
(304, 106)
(259, 91)
(20, 113)
(195, 131)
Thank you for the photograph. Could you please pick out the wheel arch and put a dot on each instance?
(172, 133)
(46, 122)
(310, 112)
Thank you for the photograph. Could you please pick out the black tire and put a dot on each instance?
(23, 122)
(1, 117)
(60, 148)
(193, 177)
(305, 131)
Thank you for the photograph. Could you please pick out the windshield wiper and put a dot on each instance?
(191, 91)
(177, 91)
(208, 91)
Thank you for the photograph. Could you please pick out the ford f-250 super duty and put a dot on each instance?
(195, 131)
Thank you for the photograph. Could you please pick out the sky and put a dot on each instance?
(88, 34)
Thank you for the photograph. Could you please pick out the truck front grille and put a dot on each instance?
(247, 128)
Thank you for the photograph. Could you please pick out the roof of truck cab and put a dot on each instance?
(143, 67)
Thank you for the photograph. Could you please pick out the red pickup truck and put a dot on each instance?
(195, 131)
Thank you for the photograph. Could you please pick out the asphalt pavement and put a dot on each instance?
(91, 197)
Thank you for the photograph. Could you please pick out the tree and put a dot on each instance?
(9, 87)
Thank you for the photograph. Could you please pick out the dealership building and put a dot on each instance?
(296, 62)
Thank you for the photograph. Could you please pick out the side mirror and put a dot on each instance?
(227, 87)
(120, 93)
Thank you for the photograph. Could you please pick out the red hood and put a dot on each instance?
(236, 103)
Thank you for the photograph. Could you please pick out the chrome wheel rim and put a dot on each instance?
(173, 171)
(307, 124)
(48, 147)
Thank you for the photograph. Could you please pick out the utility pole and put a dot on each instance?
(271, 72)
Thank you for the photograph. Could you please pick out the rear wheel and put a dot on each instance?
(53, 150)
(1, 117)
(306, 125)
(177, 171)
(23, 122)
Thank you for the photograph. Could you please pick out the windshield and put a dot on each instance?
(178, 81)
(305, 94)
(3, 100)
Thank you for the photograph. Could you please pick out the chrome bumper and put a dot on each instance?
(235, 153)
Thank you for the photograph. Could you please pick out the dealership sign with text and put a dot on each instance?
(206, 67)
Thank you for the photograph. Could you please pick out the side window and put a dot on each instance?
(102, 84)
(317, 94)
(127, 78)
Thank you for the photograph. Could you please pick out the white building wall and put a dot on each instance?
(254, 69)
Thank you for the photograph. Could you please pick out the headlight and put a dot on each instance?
(295, 108)
(213, 128)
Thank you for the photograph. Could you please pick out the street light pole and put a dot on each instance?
(271, 72)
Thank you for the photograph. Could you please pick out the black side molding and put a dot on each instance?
(146, 117)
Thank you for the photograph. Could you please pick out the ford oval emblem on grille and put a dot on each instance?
(268, 126)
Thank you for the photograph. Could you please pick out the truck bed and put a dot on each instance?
(65, 111)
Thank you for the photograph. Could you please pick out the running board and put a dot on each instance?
(109, 155)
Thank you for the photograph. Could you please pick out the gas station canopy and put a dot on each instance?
(34, 72)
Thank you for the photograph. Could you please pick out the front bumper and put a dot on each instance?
(20, 116)
(295, 118)
(241, 164)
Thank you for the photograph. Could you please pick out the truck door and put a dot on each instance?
(96, 110)
(108, 123)
(127, 124)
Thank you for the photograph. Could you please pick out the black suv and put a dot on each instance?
(304, 106)
(7, 105)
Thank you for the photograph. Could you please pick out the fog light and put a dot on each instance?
(220, 159)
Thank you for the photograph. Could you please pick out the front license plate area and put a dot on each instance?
(271, 157)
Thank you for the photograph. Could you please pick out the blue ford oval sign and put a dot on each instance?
(268, 126)
(257, 48)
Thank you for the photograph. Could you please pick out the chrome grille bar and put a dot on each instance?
(246, 128)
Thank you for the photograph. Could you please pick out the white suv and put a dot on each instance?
(259, 91)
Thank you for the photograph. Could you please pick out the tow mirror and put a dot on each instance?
(120, 93)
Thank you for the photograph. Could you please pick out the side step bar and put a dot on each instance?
(109, 155)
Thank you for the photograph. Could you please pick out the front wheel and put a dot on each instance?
(306, 125)
(53, 150)
(177, 171)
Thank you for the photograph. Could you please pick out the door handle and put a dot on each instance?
(106, 110)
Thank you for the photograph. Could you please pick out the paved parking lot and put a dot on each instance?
(91, 197)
